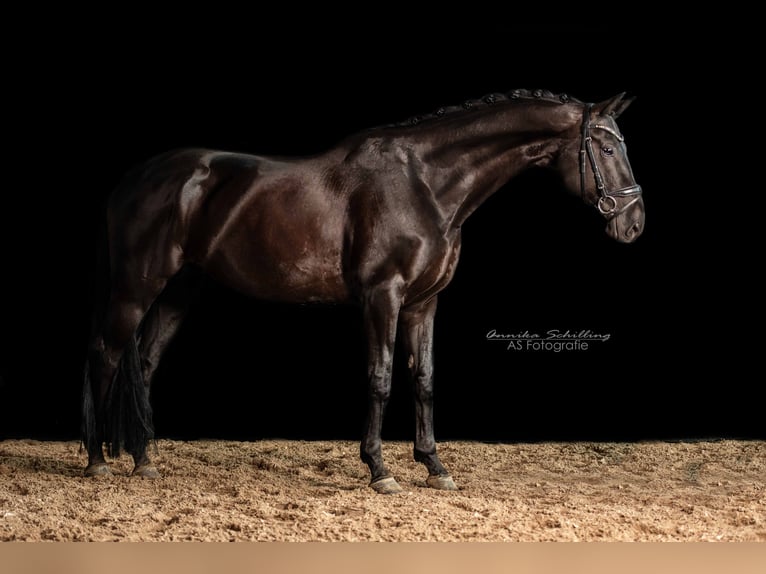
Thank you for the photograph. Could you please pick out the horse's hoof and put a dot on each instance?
(386, 485)
(146, 471)
(98, 469)
(441, 482)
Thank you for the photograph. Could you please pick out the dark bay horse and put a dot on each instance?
(375, 221)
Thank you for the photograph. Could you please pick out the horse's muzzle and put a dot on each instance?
(625, 232)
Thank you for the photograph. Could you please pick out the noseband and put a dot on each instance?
(606, 204)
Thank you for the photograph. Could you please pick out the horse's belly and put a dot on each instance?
(278, 271)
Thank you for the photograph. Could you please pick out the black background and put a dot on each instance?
(88, 102)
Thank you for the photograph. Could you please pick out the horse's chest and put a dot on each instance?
(437, 273)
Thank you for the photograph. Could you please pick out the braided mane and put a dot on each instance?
(485, 101)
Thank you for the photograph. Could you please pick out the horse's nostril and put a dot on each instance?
(633, 230)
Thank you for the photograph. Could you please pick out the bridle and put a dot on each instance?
(606, 204)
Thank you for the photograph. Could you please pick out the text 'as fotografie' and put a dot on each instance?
(554, 340)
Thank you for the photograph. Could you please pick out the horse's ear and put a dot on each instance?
(614, 106)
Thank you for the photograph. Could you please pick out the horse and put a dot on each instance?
(374, 221)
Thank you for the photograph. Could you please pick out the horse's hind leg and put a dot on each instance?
(94, 405)
(106, 350)
(164, 318)
(159, 326)
(114, 354)
(417, 329)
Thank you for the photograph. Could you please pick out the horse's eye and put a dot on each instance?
(608, 151)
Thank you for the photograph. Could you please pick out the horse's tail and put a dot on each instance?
(129, 419)
(128, 412)
(126, 415)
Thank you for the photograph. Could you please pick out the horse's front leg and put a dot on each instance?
(417, 328)
(381, 307)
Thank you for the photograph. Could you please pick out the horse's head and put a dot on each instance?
(594, 164)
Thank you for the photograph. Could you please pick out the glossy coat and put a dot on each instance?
(374, 221)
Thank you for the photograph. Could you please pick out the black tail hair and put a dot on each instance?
(128, 411)
(129, 418)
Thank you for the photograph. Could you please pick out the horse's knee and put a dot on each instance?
(380, 384)
(424, 390)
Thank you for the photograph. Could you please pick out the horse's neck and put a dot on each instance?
(467, 159)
